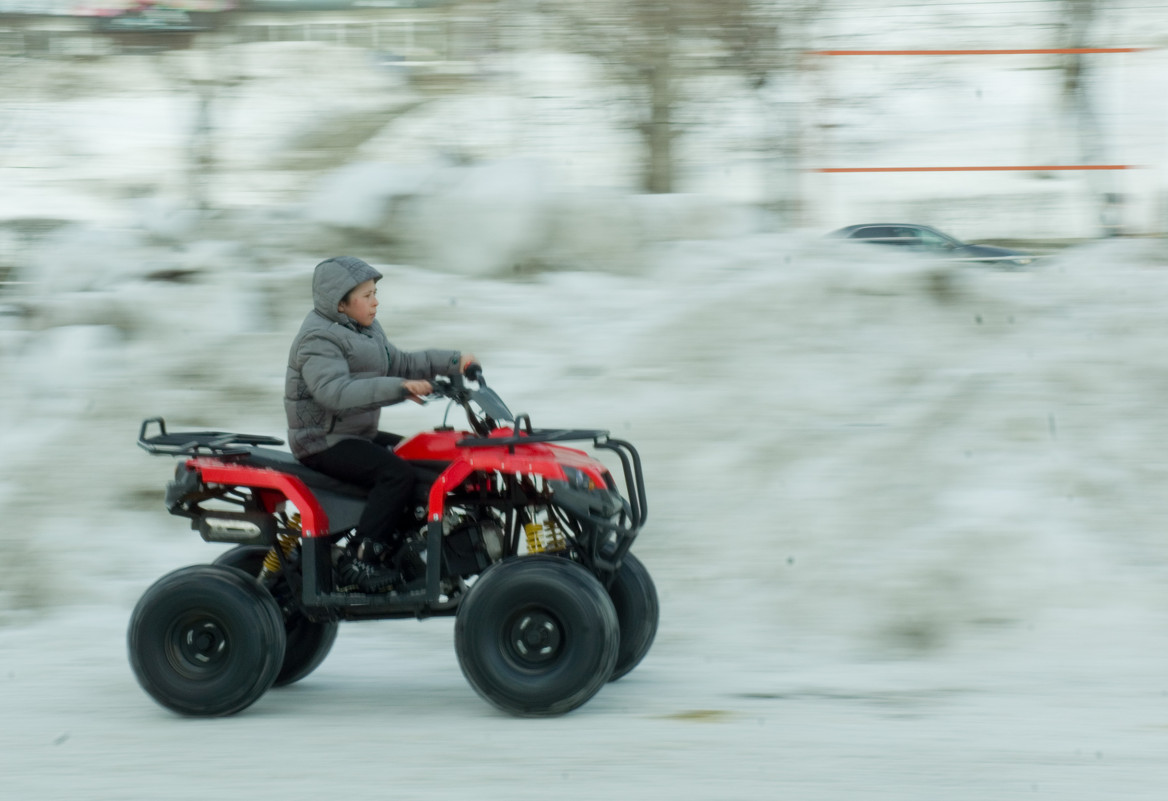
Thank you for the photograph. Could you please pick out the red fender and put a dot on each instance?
(313, 520)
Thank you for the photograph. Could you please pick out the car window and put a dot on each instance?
(934, 241)
(906, 236)
(878, 232)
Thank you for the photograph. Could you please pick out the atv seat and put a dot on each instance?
(342, 502)
(425, 472)
(285, 462)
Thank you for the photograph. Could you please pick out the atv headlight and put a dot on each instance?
(578, 479)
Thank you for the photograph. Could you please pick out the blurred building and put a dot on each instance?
(104, 8)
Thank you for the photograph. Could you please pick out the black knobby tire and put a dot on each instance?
(206, 640)
(637, 611)
(308, 641)
(536, 636)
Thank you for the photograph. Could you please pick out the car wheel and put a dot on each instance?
(537, 636)
(308, 642)
(635, 598)
(206, 640)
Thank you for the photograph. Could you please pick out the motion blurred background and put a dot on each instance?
(172, 170)
(913, 498)
(237, 103)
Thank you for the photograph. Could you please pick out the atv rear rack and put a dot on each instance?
(199, 443)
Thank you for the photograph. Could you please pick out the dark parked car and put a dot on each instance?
(924, 239)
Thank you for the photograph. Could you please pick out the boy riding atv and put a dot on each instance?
(341, 370)
(524, 540)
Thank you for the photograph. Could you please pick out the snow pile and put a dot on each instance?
(502, 217)
(892, 453)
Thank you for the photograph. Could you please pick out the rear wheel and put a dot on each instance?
(537, 636)
(637, 611)
(308, 641)
(206, 640)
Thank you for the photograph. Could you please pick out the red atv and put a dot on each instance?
(522, 538)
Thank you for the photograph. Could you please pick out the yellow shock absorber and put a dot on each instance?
(271, 563)
(534, 541)
(286, 543)
(553, 537)
(545, 537)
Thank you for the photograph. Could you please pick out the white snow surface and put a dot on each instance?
(904, 515)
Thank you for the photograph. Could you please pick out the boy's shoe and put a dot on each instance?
(373, 552)
(365, 572)
(367, 577)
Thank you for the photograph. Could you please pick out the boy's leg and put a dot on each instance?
(388, 477)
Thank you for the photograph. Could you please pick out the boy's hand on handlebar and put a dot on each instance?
(469, 366)
(417, 389)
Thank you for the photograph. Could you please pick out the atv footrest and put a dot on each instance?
(353, 605)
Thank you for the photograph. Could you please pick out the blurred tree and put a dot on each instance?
(653, 47)
(1077, 33)
(766, 42)
(1079, 23)
(185, 39)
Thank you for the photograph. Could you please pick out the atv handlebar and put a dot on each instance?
(485, 410)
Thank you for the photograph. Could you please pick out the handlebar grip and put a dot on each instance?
(473, 371)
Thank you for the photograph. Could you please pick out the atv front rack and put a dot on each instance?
(524, 434)
(582, 505)
(531, 437)
(199, 443)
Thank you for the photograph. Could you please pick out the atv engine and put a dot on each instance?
(471, 546)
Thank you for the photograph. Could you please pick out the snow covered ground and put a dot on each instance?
(904, 516)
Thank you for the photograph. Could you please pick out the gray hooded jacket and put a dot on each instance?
(340, 373)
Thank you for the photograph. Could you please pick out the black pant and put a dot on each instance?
(389, 478)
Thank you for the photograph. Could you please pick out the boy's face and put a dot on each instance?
(362, 303)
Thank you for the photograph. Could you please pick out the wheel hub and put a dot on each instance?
(536, 637)
(200, 644)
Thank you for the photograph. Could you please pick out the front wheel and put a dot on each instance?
(308, 641)
(206, 640)
(637, 611)
(537, 636)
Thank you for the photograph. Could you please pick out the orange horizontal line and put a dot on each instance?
(1034, 168)
(1021, 52)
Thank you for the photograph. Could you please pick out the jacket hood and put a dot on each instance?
(333, 279)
